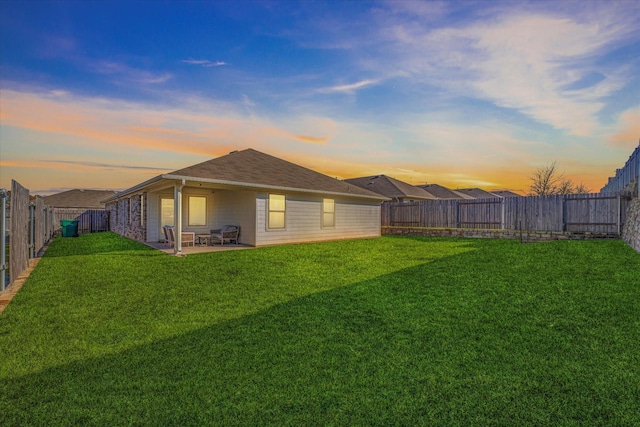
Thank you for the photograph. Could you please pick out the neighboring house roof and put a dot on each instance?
(79, 198)
(256, 170)
(476, 193)
(391, 187)
(441, 192)
(506, 193)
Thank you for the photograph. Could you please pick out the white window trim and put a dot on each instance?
(206, 204)
(322, 224)
(268, 212)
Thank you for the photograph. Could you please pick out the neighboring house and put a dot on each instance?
(79, 199)
(476, 193)
(396, 190)
(272, 200)
(505, 193)
(85, 206)
(443, 193)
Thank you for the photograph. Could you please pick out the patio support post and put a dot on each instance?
(177, 215)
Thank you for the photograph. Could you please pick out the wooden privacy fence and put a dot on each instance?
(32, 224)
(30, 228)
(89, 220)
(595, 213)
(629, 173)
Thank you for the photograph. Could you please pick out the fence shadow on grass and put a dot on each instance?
(425, 345)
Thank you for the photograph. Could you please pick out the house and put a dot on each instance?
(476, 193)
(85, 206)
(505, 193)
(79, 199)
(443, 193)
(396, 190)
(272, 200)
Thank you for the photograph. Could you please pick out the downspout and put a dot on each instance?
(3, 234)
(177, 215)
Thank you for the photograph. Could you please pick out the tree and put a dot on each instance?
(548, 180)
(545, 180)
(581, 189)
(564, 187)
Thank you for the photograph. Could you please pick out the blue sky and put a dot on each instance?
(106, 94)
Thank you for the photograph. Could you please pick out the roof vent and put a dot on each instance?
(234, 151)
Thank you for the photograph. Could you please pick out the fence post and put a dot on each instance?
(502, 214)
(564, 213)
(638, 170)
(3, 234)
(619, 217)
(32, 230)
(45, 238)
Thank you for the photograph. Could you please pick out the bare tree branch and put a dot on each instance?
(548, 180)
(545, 180)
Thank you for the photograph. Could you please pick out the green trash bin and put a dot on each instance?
(69, 227)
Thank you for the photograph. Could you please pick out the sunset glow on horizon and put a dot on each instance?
(463, 94)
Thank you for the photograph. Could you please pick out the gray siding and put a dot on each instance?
(303, 220)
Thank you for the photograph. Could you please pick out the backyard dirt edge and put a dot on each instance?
(528, 236)
(7, 295)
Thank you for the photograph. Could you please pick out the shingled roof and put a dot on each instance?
(391, 187)
(441, 192)
(477, 193)
(506, 193)
(79, 198)
(254, 169)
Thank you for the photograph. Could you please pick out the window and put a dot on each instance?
(197, 211)
(328, 213)
(277, 207)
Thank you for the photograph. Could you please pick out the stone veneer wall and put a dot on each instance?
(528, 236)
(133, 228)
(631, 229)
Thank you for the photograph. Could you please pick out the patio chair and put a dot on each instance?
(228, 233)
(169, 235)
(188, 237)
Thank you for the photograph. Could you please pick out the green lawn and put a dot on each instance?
(389, 331)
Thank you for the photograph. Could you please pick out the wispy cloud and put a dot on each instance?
(525, 61)
(348, 88)
(106, 165)
(63, 165)
(204, 62)
(197, 126)
(129, 74)
(628, 129)
(312, 139)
